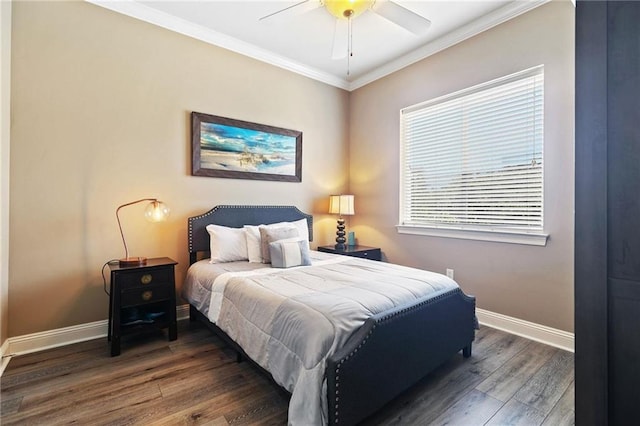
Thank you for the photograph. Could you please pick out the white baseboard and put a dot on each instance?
(36, 342)
(94, 330)
(59, 337)
(532, 331)
(4, 360)
(182, 312)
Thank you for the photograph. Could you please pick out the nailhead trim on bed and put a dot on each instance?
(382, 320)
(191, 220)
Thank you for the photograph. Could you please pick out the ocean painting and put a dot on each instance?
(225, 147)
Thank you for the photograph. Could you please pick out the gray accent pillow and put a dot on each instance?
(269, 235)
(289, 252)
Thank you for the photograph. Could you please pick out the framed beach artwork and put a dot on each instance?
(228, 148)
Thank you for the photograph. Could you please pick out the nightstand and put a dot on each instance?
(373, 253)
(142, 297)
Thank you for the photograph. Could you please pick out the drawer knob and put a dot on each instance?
(147, 295)
(146, 278)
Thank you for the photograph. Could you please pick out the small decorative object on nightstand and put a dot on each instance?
(142, 297)
(341, 205)
(373, 253)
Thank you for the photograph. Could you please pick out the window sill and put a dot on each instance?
(532, 239)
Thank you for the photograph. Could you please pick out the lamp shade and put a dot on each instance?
(341, 204)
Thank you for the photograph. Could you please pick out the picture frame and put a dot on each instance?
(229, 148)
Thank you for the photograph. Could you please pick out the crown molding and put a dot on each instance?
(473, 28)
(144, 13)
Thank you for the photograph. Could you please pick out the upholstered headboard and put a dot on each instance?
(237, 217)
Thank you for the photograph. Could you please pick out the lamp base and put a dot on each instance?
(340, 239)
(132, 261)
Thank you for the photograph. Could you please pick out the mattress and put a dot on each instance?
(201, 276)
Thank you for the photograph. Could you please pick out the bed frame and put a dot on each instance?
(388, 354)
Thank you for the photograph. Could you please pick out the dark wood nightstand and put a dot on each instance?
(142, 297)
(373, 253)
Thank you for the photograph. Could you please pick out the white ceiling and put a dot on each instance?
(303, 44)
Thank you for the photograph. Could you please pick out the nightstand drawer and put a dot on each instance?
(143, 296)
(373, 254)
(364, 252)
(145, 278)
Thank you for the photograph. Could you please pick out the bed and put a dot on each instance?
(365, 367)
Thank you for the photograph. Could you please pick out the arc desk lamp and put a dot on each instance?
(156, 211)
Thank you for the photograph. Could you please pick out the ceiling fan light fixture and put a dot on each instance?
(347, 9)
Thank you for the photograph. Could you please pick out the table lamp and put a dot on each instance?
(156, 211)
(341, 205)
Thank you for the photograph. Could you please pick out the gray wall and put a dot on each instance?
(526, 282)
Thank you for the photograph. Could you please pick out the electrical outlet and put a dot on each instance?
(450, 273)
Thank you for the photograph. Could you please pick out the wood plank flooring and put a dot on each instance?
(195, 380)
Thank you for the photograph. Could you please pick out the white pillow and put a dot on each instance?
(227, 244)
(254, 248)
(254, 242)
(269, 234)
(301, 225)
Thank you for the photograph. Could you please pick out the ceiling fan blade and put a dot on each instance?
(292, 11)
(401, 16)
(340, 39)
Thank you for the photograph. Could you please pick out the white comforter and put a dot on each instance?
(290, 320)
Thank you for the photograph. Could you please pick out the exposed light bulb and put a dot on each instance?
(156, 211)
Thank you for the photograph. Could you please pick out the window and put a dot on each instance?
(472, 162)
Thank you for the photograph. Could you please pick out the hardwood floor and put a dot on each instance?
(195, 380)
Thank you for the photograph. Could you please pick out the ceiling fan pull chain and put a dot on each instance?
(349, 46)
(350, 38)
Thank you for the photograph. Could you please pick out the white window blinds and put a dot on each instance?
(474, 159)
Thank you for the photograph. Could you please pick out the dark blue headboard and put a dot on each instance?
(237, 217)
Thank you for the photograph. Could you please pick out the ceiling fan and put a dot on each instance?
(346, 10)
